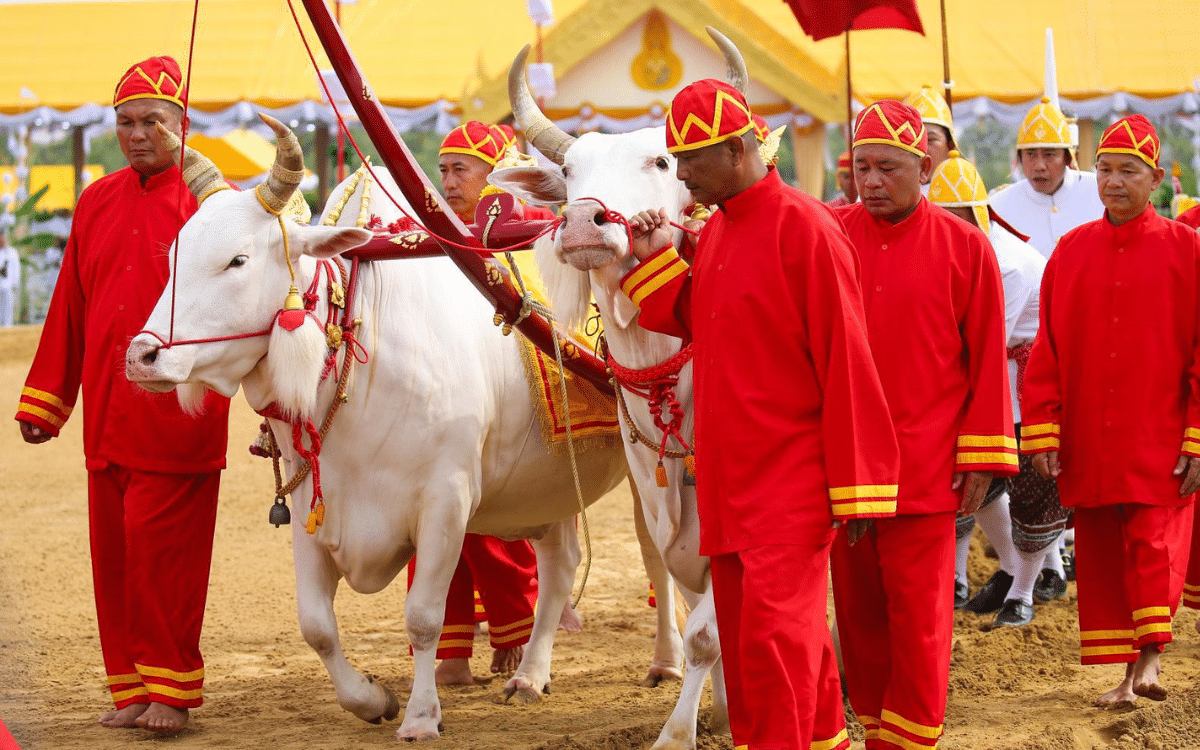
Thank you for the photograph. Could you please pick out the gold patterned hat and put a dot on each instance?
(956, 183)
(932, 106)
(1044, 127)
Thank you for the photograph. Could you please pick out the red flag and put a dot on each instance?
(822, 19)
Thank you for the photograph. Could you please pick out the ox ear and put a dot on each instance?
(326, 242)
(541, 186)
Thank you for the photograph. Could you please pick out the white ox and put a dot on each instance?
(628, 172)
(438, 438)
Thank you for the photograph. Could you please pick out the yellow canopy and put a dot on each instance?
(69, 53)
(239, 154)
(60, 178)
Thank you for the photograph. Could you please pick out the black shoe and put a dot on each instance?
(962, 593)
(1068, 558)
(1014, 613)
(1050, 586)
(991, 597)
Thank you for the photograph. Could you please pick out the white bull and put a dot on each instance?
(627, 173)
(438, 438)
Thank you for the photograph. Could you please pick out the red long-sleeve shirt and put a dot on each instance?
(935, 316)
(114, 268)
(1113, 381)
(792, 429)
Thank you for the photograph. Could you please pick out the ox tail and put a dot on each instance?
(295, 360)
(569, 289)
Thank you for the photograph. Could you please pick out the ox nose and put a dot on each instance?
(143, 353)
(583, 225)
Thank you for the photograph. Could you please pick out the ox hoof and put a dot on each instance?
(658, 675)
(522, 692)
(391, 711)
(419, 731)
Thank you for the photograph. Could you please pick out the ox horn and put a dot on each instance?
(543, 134)
(203, 177)
(735, 64)
(286, 172)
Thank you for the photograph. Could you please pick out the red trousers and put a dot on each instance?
(893, 595)
(505, 574)
(1191, 586)
(151, 537)
(781, 673)
(1130, 563)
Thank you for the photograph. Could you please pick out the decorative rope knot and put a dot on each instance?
(657, 385)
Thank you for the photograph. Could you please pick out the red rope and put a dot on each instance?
(187, 93)
(657, 384)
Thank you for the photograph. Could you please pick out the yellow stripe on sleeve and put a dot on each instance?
(1007, 459)
(863, 507)
(1037, 430)
(863, 490)
(658, 281)
(986, 441)
(38, 411)
(1191, 446)
(1192, 433)
(1036, 443)
(48, 398)
(648, 268)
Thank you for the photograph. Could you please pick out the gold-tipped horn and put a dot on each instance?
(735, 64)
(286, 172)
(543, 134)
(201, 175)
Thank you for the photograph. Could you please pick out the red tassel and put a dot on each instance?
(660, 475)
(290, 320)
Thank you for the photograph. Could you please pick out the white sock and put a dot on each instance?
(996, 523)
(962, 548)
(1054, 557)
(1029, 565)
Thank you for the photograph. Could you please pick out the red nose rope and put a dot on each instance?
(657, 384)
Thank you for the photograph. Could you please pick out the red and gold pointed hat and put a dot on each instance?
(155, 78)
(1131, 135)
(845, 162)
(704, 113)
(475, 139)
(893, 123)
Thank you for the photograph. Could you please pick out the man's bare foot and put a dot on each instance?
(163, 719)
(454, 672)
(1145, 675)
(1121, 695)
(506, 660)
(571, 621)
(123, 718)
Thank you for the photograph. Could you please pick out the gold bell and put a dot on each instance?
(293, 301)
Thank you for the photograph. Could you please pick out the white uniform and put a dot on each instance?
(1046, 218)
(10, 280)
(1021, 267)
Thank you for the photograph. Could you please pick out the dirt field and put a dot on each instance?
(1010, 689)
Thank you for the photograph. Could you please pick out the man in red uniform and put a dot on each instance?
(152, 502)
(935, 317)
(845, 181)
(1111, 404)
(1191, 586)
(792, 431)
(501, 575)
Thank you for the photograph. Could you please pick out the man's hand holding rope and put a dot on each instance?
(651, 231)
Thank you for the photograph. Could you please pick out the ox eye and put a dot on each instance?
(662, 163)
(566, 172)
(238, 261)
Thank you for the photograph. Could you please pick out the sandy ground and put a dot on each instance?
(265, 689)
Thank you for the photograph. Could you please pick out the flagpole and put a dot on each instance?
(849, 96)
(946, 80)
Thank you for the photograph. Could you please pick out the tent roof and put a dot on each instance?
(71, 52)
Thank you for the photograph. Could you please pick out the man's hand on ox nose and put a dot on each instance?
(651, 232)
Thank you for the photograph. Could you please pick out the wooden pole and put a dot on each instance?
(78, 157)
(849, 96)
(946, 80)
(321, 147)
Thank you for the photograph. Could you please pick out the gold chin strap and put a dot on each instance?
(293, 300)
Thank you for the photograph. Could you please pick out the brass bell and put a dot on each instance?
(689, 479)
(280, 515)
